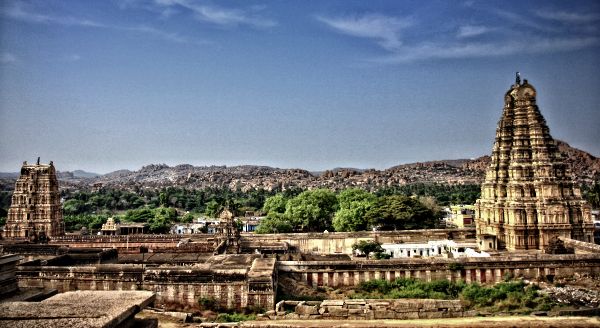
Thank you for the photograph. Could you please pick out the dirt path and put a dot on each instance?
(517, 321)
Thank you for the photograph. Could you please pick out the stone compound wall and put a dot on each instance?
(483, 270)
(581, 247)
(360, 309)
(173, 286)
(341, 242)
(122, 243)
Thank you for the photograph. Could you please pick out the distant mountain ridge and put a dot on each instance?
(584, 166)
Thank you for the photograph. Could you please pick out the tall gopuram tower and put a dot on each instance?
(35, 210)
(528, 196)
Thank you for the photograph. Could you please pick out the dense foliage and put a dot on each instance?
(513, 296)
(159, 208)
(444, 194)
(350, 210)
(592, 194)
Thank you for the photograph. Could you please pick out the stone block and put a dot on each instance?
(380, 304)
(383, 314)
(356, 311)
(407, 315)
(338, 311)
(291, 316)
(306, 309)
(332, 303)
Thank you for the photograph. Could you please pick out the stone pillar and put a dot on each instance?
(449, 275)
(488, 275)
(346, 279)
(428, 275)
(230, 297)
(468, 276)
(336, 278)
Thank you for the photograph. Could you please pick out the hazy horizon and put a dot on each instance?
(108, 85)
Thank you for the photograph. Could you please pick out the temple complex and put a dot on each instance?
(528, 196)
(35, 211)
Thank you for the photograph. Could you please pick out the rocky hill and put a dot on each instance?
(584, 166)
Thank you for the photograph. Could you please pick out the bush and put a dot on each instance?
(208, 303)
(235, 317)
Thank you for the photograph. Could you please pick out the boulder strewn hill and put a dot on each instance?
(584, 166)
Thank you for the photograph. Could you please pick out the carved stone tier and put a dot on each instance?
(528, 196)
(35, 211)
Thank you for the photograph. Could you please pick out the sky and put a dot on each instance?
(107, 85)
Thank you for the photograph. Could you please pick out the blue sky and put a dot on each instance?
(106, 85)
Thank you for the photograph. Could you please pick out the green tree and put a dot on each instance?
(368, 246)
(593, 195)
(213, 208)
(187, 218)
(399, 212)
(274, 223)
(312, 210)
(353, 206)
(275, 204)
(163, 198)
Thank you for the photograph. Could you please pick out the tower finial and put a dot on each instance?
(518, 79)
(38, 161)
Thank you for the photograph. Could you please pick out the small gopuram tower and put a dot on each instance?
(228, 235)
(35, 211)
(528, 196)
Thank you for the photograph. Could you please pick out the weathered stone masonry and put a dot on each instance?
(234, 288)
(528, 196)
(482, 270)
(35, 208)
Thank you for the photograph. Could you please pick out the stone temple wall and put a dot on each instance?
(341, 242)
(361, 309)
(178, 286)
(483, 270)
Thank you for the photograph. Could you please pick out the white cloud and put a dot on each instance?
(492, 49)
(219, 15)
(7, 57)
(568, 17)
(535, 37)
(467, 31)
(18, 12)
(385, 29)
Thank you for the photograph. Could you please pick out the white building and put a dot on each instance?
(439, 248)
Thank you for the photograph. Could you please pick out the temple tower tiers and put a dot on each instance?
(528, 196)
(35, 210)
